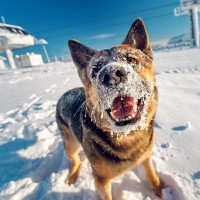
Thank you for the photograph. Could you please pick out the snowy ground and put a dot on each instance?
(32, 161)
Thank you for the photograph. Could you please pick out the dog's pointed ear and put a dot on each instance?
(138, 37)
(80, 53)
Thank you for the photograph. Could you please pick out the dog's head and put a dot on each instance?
(120, 81)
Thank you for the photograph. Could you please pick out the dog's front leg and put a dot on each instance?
(103, 187)
(152, 176)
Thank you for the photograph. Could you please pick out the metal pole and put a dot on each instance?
(10, 58)
(46, 54)
(3, 20)
(192, 27)
(195, 25)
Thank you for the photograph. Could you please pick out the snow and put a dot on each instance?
(32, 160)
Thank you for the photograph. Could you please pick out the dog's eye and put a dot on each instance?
(95, 69)
(132, 60)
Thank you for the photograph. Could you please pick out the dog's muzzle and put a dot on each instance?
(121, 94)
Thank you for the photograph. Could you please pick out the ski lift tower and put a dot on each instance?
(13, 37)
(191, 8)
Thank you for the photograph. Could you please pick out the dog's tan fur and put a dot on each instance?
(127, 151)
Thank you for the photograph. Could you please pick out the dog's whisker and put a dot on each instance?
(80, 107)
(83, 96)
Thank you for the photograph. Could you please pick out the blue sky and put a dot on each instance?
(96, 23)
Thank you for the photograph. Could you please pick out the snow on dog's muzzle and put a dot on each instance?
(123, 96)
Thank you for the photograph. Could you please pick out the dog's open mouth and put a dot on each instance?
(126, 110)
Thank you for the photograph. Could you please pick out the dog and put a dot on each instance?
(112, 117)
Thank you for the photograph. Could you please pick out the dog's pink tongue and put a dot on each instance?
(124, 107)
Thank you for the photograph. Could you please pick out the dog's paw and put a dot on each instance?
(158, 190)
(71, 179)
(72, 176)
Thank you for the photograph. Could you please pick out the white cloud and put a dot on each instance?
(102, 36)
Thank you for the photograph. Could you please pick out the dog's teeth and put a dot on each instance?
(125, 119)
(135, 108)
(112, 115)
(133, 115)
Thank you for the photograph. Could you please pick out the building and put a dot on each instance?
(2, 63)
(184, 38)
(28, 60)
(13, 37)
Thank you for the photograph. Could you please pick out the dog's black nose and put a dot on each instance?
(119, 73)
(112, 76)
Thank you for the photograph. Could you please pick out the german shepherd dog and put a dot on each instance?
(112, 117)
